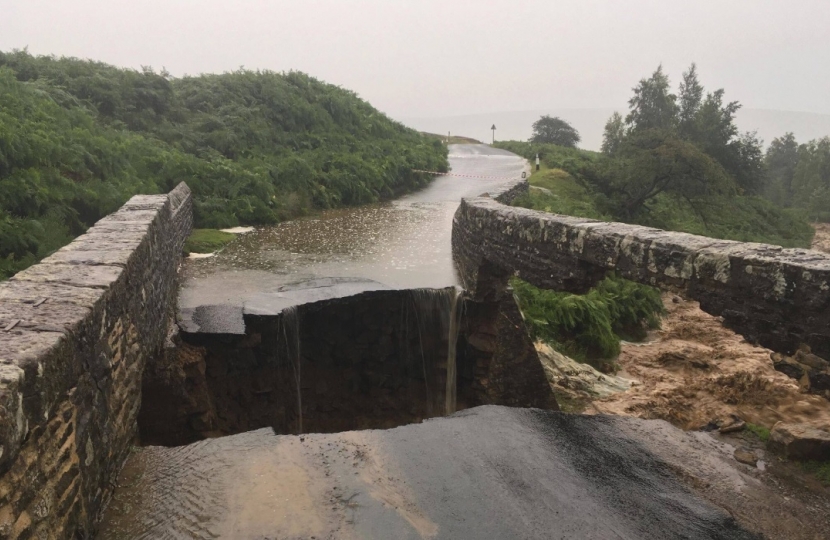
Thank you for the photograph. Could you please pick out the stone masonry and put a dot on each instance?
(75, 333)
(779, 298)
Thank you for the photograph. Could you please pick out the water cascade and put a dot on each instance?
(437, 313)
(379, 359)
(289, 332)
(451, 393)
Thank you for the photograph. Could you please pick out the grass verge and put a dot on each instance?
(206, 241)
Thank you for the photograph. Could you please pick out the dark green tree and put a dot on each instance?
(811, 181)
(653, 106)
(781, 161)
(554, 130)
(613, 135)
(690, 98)
(651, 162)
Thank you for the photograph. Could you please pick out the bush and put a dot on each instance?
(589, 327)
(78, 138)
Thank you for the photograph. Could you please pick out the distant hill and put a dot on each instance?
(516, 125)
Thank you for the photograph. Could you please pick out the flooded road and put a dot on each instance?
(399, 244)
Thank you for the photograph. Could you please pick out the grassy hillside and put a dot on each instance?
(78, 138)
(732, 217)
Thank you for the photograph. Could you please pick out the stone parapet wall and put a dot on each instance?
(511, 191)
(75, 333)
(777, 297)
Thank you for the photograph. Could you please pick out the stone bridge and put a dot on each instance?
(776, 297)
(76, 331)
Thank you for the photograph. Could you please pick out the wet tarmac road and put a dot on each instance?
(488, 472)
(399, 244)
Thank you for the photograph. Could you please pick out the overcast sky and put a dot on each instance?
(415, 58)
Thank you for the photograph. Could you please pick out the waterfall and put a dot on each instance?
(453, 330)
(437, 314)
(290, 323)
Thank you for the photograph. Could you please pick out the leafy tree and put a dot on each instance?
(554, 130)
(690, 97)
(746, 163)
(613, 135)
(649, 163)
(707, 122)
(653, 106)
(781, 161)
(811, 181)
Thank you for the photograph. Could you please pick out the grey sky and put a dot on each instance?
(415, 58)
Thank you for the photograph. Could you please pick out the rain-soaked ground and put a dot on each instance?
(399, 244)
(489, 472)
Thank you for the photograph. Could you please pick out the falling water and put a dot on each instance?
(454, 328)
(437, 313)
(290, 322)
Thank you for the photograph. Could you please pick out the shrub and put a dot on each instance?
(589, 327)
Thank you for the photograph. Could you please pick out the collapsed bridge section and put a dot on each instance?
(377, 359)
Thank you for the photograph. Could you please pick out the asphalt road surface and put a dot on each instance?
(488, 472)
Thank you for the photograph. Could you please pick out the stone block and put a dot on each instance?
(799, 441)
(70, 274)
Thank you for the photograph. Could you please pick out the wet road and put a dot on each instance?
(400, 244)
(488, 472)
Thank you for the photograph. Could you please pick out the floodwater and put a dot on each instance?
(399, 244)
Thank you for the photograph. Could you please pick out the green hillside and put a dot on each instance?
(565, 190)
(78, 138)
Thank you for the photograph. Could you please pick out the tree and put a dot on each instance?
(650, 162)
(554, 130)
(747, 164)
(781, 161)
(690, 98)
(811, 181)
(653, 106)
(613, 135)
